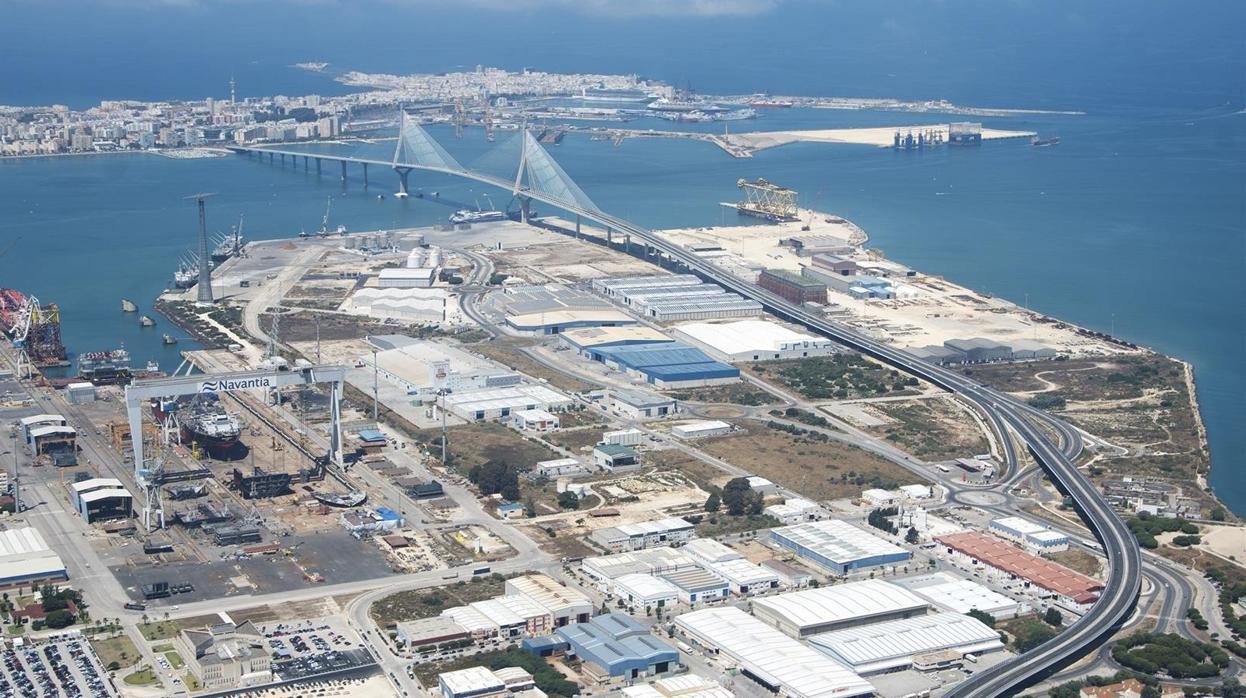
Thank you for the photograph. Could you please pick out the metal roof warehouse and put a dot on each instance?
(812, 611)
(838, 546)
(1048, 575)
(883, 647)
(667, 363)
(769, 657)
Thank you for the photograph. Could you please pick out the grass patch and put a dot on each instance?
(118, 649)
(163, 648)
(546, 677)
(721, 523)
(742, 393)
(426, 603)
(143, 677)
(837, 377)
(809, 463)
(1026, 633)
(175, 659)
(702, 474)
(159, 630)
(1079, 560)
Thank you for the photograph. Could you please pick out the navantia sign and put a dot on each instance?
(226, 385)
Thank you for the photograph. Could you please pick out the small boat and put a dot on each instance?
(146, 321)
(127, 306)
(1044, 142)
(169, 339)
(352, 498)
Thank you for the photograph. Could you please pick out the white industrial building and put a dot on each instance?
(560, 467)
(499, 403)
(101, 498)
(916, 492)
(623, 437)
(643, 592)
(812, 611)
(961, 595)
(892, 646)
(753, 340)
(878, 498)
(708, 550)
(645, 534)
(685, 686)
(534, 420)
(743, 577)
(698, 585)
(639, 405)
(778, 662)
(26, 560)
(407, 304)
(1034, 536)
(762, 486)
(82, 393)
(406, 278)
(701, 430)
(795, 510)
(565, 605)
(421, 368)
(604, 569)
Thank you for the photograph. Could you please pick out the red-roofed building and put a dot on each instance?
(1070, 589)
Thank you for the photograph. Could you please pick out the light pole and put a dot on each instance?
(442, 394)
(376, 376)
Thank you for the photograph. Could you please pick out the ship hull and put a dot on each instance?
(214, 445)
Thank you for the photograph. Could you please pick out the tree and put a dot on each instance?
(529, 508)
(59, 619)
(1152, 692)
(738, 496)
(1233, 688)
(912, 536)
(713, 502)
(1053, 618)
(568, 500)
(1217, 514)
(986, 618)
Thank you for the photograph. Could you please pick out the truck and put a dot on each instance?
(135, 606)
(481, 570)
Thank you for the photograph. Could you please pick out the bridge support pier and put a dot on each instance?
(609, 236)
(627, 244)
(270, 158)
(402, 180)
(525, 208)
(343, 171)
(365, 175)
(283, 159)
(317, 166)
(577, 226)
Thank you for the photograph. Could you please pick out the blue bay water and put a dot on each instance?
(1136, 221)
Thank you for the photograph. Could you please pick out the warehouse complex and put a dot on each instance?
(753, 340)
(610, 645)
(838, 546)
(1071, 589)
(646, 534)
(763, 654)
(800, 614)
(675, 297)
(667, 364)
(604, 569)
(892, 646)
(101, 498)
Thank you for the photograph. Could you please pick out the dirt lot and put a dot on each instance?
(1079, 560)
(426, 603)
(1141, 403)
(508, 352)
(575, 439)
(473, 444)
(932, 429)
(300, 326)
(818, 469)
(699, 472)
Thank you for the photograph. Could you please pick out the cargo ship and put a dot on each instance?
(187, 275)
(770, 104)
(466, 216)
(229, 246)
(203, 420)
(1044, 142)
(105, 367)
(11, 304)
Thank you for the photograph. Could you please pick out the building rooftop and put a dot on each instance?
(748, 335)
(562, 317)
(1044, 573)
(743, 572)
(883, 646)
(649, 560)
(710, 550)
(774, 657)
(837, 540)
(841, 602)
(694, 579)
(656, 526)
(645, 586)
(1020, 525)
(607, 336)
(471, 681)
(548, 593)
(959, 595)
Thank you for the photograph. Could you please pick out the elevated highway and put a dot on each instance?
(1006, 414)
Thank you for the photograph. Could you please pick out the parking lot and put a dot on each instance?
(312, 647)
(59, 666)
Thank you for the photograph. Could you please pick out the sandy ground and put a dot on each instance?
(879, 136)
(938, 310)
(1225, 541)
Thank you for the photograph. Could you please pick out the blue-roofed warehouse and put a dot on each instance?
(613, 644)
(667, 364)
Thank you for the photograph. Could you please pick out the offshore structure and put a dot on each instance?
(768, 201)
(36, 331)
